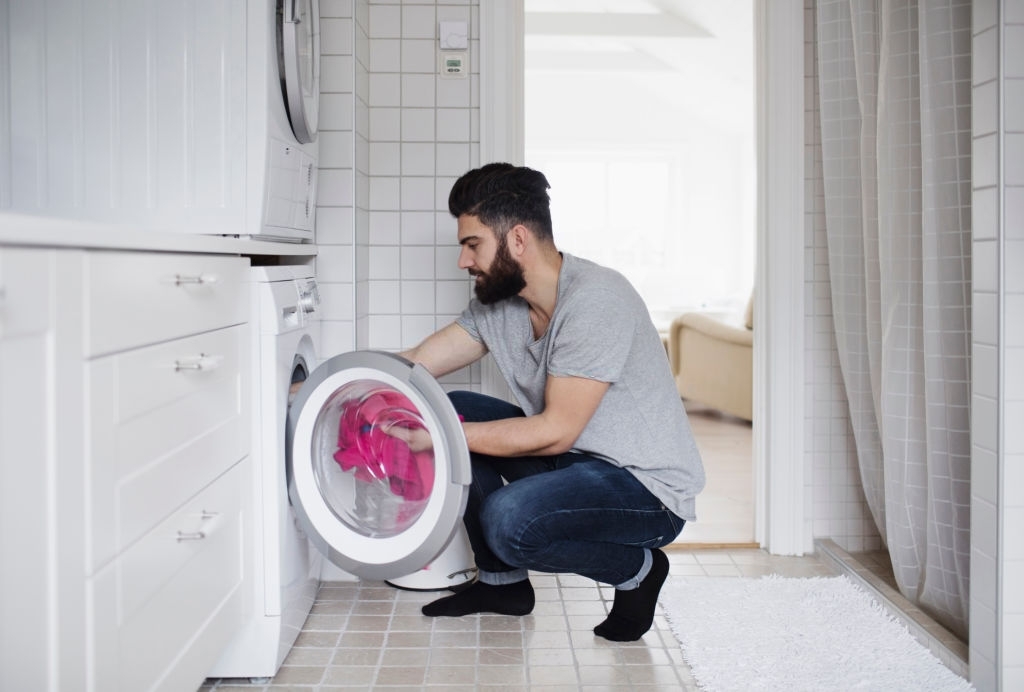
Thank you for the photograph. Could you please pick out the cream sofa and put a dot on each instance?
(712, 358)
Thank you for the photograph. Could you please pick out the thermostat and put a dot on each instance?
(453, 64)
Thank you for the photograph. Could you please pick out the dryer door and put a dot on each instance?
(299, 50)
(378, 467)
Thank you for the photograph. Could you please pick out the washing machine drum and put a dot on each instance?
(378, 467)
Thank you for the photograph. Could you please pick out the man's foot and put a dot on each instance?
(505, 599)
(633, 611)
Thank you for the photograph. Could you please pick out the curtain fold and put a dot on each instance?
(894, 81)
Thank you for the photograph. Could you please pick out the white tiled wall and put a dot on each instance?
(997, 483)
(388, 249)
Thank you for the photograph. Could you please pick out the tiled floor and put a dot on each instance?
(370, 636)
(725, 509)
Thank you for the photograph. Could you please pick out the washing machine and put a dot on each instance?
(283, 105)
(285, 569)
(337, 475)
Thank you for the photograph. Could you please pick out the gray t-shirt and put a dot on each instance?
(601, 330)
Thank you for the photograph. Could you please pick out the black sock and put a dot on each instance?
(505, 599)
(633, 611)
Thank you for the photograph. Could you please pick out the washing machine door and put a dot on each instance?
(378, 466)
(299, 52)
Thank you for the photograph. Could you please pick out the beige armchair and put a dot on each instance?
(712, 359)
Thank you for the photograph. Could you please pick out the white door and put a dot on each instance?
(373, 503)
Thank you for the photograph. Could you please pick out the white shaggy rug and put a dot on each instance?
(778, 633)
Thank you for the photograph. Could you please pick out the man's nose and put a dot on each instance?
(465, 260)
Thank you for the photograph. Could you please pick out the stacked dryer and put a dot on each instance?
(283, 100)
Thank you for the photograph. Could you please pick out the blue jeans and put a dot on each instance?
(566, 513)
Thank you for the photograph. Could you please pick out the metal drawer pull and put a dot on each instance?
(202, 362)
(204, 516)
(199, 279)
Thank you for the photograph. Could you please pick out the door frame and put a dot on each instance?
(783, 524)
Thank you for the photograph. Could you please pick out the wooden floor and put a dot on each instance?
(725, 510)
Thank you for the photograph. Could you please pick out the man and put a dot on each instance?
(596, 469)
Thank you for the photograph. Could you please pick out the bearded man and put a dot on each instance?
(594, 468)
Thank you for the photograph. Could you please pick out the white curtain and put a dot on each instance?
(895, 97)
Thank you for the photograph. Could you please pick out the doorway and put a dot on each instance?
(641, 114)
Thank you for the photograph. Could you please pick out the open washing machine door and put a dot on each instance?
(378, 466)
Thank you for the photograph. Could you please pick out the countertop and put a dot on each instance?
(26, 230)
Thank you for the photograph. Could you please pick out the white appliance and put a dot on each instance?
(370, 519)
(283, 79)
(192, 118)
(378, 466)
(285, 570)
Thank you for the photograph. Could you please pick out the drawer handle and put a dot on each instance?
(204, 516)
(191, 535)
(194, 280)
(202, 362)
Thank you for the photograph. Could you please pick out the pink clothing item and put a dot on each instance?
(363, 444)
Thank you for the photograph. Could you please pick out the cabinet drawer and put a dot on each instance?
(163, 421)
(174, 598)
(134, 299)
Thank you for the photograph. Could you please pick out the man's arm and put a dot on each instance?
(569, 404)
(446, 350)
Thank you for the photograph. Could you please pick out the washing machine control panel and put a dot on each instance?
(309, 296)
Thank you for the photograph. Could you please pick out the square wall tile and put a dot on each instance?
(336, 111)
(385, 193)
(452, 159)
(385, 159)
(385, 124)
(384, 263)
(384, 227)
(419, 22)
(417, 194)
(335, 36)
(385, 298)
(385, 55)
(336, 301)
(334, 187)
(418, 158)
(418, 297)
(417, 227)
(385, 21)
(417, 125)
(384, 332)
(419, 56)
(385, 90)
(334, 225)
(336, 73)
(418, 90)
(334, 264)
(417, 262)
(453, 125)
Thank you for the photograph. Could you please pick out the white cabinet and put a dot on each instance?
(26, 458)
(124, 432)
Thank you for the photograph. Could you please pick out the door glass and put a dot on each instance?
(373, 458)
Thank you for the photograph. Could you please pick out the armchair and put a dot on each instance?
(712, 360)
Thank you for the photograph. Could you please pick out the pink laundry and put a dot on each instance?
(363, 444)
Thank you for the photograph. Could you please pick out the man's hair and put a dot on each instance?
(502, 195)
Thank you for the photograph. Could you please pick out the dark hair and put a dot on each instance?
(502, 195)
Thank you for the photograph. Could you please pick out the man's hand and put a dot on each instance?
(418, 439)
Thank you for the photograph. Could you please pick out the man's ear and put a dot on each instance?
(518, 239)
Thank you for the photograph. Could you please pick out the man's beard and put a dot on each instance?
(503, 280)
